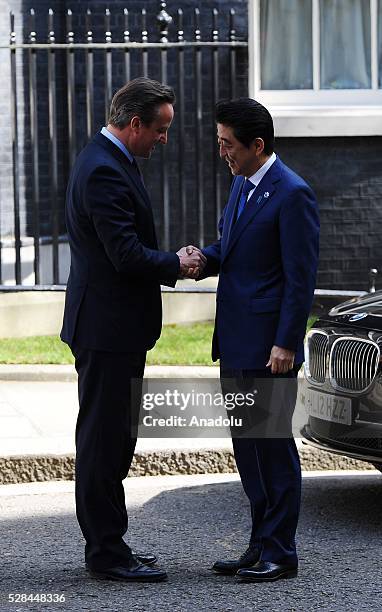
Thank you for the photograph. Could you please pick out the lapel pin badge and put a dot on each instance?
(266, 194)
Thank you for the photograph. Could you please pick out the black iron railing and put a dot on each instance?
(68, 80)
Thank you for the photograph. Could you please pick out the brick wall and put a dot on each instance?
(346, 175)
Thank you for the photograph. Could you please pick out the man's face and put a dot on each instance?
(148, 136)
(240, 159)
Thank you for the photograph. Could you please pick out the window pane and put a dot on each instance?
(380, 41)
(345, 44)
(286, 44)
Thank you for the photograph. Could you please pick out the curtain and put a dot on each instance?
(286, 44)
(345, 44)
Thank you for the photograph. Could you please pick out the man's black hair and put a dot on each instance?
(248, 119)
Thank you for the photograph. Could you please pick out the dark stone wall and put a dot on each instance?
(346, 175)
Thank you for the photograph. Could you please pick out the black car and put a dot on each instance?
(341, 391)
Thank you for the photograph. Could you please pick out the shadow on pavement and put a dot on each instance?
(189, 528)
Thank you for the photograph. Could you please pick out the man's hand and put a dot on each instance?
(192, 261)
(281, 360)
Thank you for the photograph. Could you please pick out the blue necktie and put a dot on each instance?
(247, 187)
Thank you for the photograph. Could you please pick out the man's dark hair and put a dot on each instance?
(248, 119)
(141, 97)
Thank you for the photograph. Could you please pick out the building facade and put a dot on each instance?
(316, 64)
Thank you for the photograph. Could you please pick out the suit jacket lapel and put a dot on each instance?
(262, 194)
(126, 164)
(230, 212)
(132, 175)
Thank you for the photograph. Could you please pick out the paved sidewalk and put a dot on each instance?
(39, 406)
(67, 373)
(38, 411)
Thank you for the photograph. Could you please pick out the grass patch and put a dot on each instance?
(312, 319)
(178, 345)
(35, 349)
(183, 345)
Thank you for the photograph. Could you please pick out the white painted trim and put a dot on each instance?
(324, 97)
(327, 121)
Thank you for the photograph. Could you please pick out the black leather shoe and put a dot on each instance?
(146, 558)
(247, 559)
(133, 572)
(265, 571)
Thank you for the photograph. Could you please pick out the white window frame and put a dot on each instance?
(318, 112)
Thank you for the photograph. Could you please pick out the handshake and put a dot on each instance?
(192, 262)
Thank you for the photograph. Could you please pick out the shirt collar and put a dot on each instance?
(256, 178)
(118, 143)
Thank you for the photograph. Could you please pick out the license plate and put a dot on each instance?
(327, 407)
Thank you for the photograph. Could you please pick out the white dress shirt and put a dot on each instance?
(118, 143)
(256, 178)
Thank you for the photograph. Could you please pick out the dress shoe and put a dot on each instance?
(146, 558)
(247, 559)
(132, 572)
(265, 571)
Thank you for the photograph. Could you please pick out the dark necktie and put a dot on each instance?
(247, 187)
(137, 169)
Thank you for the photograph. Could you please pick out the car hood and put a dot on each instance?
(364, 311)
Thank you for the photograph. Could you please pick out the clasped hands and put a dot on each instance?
(192, 262)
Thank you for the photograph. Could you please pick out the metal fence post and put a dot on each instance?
(89, 76)
(108, 66)
(145, 39)
(53, 146)
(199, 129)
(164, 20)
(215, 97)
(232, 53)
(126, 40)
(34, 146)
(15, 153)
(181, 130)
(70, 77)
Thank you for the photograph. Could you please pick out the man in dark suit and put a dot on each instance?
(267, 260)
(113, 314)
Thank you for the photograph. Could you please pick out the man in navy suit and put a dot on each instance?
(267, 260)
(113, 314)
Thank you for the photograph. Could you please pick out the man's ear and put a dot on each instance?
(135, 122)
(259, 146)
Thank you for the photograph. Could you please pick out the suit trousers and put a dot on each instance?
(109, 391)
(267, 458)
